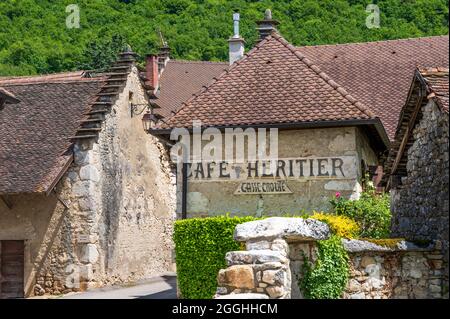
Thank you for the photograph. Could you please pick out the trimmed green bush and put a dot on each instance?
(200, 246)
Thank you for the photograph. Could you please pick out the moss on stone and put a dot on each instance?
(385, 242)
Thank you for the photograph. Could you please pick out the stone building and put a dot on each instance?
(418, 164)
(335, 107)
(85, 194)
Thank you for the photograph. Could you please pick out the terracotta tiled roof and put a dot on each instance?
(35, 133)
(427, 83)
(6, 95)
(181, 79)
(437, 85)
(379, 74)
(66, 76)
(273, 83)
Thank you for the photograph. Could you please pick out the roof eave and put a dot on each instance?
(376, 122)
(45, 191)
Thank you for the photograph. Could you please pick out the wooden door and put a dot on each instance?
(11, 269)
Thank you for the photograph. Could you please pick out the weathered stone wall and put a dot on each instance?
(47, 228)
(132, 197)
(117, 227)
(420, 206)
(378, 272)
(209, 198)
(404, 271)
(272, 265)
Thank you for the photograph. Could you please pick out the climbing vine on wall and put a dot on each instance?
(328, 277)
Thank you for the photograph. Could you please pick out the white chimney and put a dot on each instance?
(236, 43)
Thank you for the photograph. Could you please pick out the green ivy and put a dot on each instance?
(200, 246)
(326, 279)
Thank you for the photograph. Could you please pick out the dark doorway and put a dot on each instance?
(11, 269)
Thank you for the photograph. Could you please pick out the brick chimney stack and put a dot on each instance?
(236, 43)
(266, 26)
(152, 71)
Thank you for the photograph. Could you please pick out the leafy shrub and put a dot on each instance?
(342, 226)
(200, 246)
(327, 279)
(371, 211)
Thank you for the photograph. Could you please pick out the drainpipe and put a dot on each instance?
(184, 185)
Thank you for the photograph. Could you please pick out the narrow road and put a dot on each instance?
(163, 287)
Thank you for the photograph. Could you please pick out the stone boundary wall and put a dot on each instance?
(403, 272)
(271, 265)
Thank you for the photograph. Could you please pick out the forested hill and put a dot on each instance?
(34, 37)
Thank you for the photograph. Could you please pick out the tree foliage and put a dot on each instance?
(34, 37)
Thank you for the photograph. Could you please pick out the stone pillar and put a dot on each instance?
(263, 269)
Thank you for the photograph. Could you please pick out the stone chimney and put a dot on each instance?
(236, 43)
(164, 54)
(266, 26)
(152, 72)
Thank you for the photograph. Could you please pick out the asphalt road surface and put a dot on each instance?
(163, 287)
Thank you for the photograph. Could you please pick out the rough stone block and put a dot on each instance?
(90, 254)
(258, 245)
(254, 257)
(281, 246)
(298, 250)
(373, 271)
(270, 265)
(221, 291)
(275, 292)
(367, 260)
(239, 276)
(359, 295)
(273, 277)
(89, 172)
(82, 189)
(293, 229)
(353, 285)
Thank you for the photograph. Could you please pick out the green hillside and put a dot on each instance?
(34, 37)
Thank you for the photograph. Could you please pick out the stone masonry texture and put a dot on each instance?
(420, 206)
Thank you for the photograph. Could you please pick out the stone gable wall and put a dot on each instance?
(420, 206)
(117, 226)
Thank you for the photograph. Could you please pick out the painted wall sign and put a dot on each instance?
(263, 187)
(339, 167)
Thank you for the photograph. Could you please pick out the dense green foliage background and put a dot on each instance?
(34, 38)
